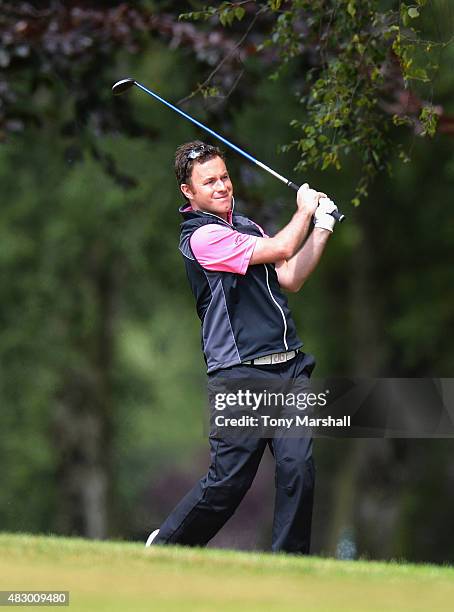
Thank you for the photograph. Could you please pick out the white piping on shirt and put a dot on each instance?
(282, 312)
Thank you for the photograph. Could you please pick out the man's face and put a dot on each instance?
(210, 188)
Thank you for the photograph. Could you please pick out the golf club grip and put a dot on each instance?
(336, 214)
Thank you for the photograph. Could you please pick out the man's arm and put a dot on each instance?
(286, 243)
(293, 273)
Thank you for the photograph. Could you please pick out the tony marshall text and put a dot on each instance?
(287, 422)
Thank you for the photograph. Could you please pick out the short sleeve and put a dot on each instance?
(222, 249)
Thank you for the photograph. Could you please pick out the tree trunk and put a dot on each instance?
(366, 358)
(83, 424)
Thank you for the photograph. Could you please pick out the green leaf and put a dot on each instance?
(413, 12)
(429, 120)
(239, 13)
(418, 74)
(361, 48)
(210, 92)
(224, 19)
(351, 9)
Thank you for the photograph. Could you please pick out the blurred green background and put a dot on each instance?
(102, 378)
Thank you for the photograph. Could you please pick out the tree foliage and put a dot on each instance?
(57, 60)
(351, 59)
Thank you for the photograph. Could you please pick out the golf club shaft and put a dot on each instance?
(336, 214)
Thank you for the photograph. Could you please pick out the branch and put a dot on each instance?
(201, 86)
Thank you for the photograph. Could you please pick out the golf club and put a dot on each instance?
(124, 84)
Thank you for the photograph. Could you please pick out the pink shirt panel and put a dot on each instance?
(222, 249)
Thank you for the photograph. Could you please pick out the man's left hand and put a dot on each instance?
(322, 216)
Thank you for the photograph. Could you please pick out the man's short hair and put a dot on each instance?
(191, 152)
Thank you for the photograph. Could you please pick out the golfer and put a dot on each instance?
(237, 274)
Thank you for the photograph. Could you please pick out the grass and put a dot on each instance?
(122, 576)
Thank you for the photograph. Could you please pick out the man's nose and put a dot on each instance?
(219, 185)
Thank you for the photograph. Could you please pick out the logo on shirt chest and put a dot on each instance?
(240, 238)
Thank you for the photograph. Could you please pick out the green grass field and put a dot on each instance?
(121, 576)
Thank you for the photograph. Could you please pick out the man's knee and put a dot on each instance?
(293, 473)
(221, 496)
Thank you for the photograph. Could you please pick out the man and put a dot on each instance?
(237, 274)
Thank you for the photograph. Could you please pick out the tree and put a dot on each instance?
(357, 66)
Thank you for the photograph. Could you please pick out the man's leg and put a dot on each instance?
(295, 479)
(213, 500)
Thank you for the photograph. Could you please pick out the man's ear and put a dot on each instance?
(186, 191)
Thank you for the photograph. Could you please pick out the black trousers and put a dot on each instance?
(234, 463)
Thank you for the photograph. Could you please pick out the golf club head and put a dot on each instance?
(121, 86)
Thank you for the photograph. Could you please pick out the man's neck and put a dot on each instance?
(224, 216)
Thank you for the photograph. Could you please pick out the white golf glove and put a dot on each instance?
(322, 216)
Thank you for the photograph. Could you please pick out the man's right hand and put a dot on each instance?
(307, 199)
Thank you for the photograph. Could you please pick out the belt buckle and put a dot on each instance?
(278, 357)
(272, 359)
